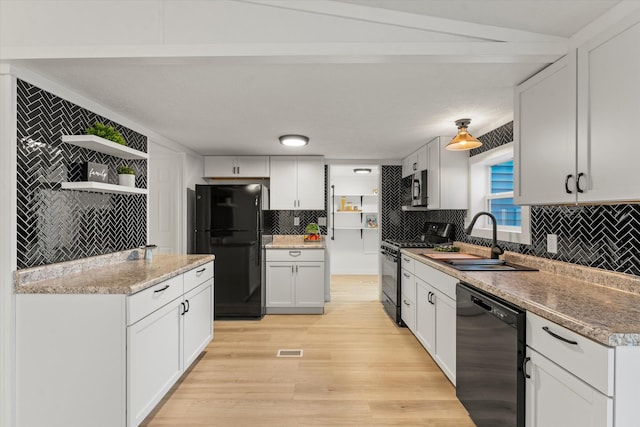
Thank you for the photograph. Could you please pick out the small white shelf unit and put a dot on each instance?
(368, 202)
(101, 187)
(101, 145)
(104, 146)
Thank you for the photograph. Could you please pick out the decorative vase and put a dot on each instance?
(127, 180)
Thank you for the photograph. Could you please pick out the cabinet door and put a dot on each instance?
(154, 359)
(446, 335)
(407, 166)
(197, 321)
(545, 136)
(311, 183)
(220, 166)
(283, 183)
(252, 166)
(422, 158)
(280, 284)
(425, 316)
(309, 284)
(554, 397)
(609, 103)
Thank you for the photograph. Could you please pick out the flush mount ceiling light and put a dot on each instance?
(362, 170)
(294, 140)
(463, 140)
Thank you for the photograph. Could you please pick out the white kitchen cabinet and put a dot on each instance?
(447, 176)
(110, 357)
(236, 166)
(608, 107)
(154, 349)
(555, 397)
(295, 281)
(569, 377)
(415, 162)
(436, 316)
(408, 293)
(297, 183)
(426, 316)
(571, 123)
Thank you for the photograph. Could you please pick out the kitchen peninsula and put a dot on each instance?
(101, 340)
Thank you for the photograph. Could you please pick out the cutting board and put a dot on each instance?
(450, 255)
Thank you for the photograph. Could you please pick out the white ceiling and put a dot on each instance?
(352, 107)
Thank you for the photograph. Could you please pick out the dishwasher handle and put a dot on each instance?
(479, 302)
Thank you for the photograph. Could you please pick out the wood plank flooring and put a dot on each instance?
(358, 369)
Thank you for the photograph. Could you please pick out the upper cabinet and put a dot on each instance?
(236, 166)
(297, 182)
(416, 161)
(447, 175)
(572, 122)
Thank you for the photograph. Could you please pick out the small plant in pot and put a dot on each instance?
(126, 176)
(106, 132)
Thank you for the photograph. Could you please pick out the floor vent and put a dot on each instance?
(289, 353)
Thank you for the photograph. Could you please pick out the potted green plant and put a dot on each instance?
(106, 132)
(126, 176)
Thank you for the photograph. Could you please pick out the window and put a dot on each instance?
(491, 190)
(500, 198)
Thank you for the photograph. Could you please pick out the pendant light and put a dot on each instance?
(463, 140)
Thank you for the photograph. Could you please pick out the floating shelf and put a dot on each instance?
(104, 146)
(356, 212)
(99, 187)
(356, 195)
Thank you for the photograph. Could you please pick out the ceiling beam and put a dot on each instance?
(438, 52)
(408, 20)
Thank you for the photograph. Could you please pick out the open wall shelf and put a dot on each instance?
(104, 146)
(100, 187)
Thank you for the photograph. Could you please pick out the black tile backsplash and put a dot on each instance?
(57, 225)
(604, 236)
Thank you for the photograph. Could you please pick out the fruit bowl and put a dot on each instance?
(312, 237)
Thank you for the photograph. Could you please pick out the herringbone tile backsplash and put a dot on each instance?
(57, 225)
(605, 236)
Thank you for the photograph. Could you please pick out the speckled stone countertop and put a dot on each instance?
(599, 304)
(118, 273)
(294, 242)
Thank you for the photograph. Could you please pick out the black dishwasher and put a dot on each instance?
(490, 351)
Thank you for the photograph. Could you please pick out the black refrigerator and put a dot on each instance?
(229, 225)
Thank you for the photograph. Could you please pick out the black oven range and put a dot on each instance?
(433, 233)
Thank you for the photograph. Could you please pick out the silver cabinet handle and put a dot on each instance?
(296, 268)
(161, 289)
(201, 270)
(406, 259)
(406, 303)
(295, 253)
(406, 275)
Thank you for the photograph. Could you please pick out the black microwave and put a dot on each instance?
(414, 190)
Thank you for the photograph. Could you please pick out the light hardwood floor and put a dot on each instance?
(358, 369)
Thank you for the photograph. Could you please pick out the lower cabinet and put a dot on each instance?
(163, 345)
(106, 359)
(569, 378)
(555, 397)
(435, 308)
(295, 281)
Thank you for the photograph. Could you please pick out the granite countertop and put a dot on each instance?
(294, 242)
(601, 305)
(106, 274)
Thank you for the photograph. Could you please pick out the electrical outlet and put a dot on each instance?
(296, 220)
(322, 221)
(552, 243)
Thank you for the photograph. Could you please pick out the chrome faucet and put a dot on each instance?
(495, 249)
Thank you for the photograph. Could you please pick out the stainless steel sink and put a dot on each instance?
(486, 265)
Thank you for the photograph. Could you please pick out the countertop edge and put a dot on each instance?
(56, 285)
(600, 335)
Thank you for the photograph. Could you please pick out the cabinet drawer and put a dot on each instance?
(408, 285)
(295, 255)
(149, 300)
(198, 275)
(586, 359)
(408, 263)
(439, 280)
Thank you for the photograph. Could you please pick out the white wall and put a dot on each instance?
(8, 243)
